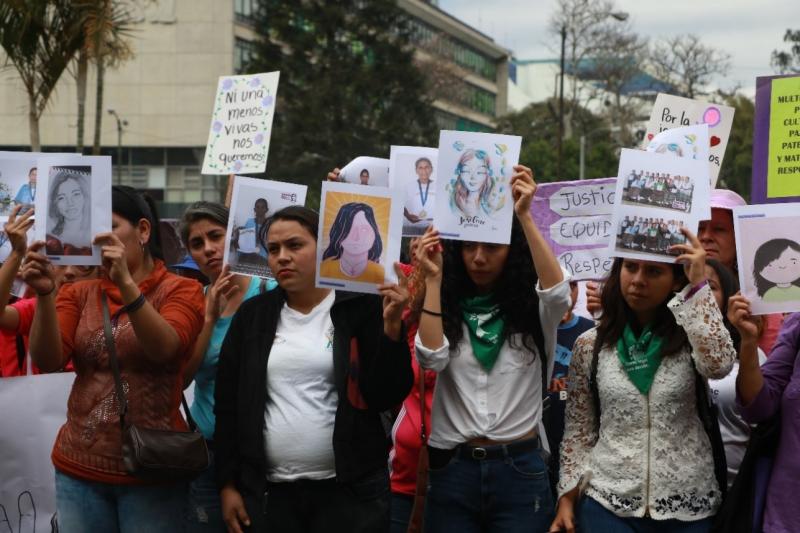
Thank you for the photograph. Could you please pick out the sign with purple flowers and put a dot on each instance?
(241, 124)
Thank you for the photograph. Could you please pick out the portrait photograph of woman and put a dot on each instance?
(69, 223)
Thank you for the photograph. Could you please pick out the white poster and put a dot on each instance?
(675, 111)
(768, 254)
(473, 195)
(359, 236)
(412, 171)
(656, 195)
(252, 203)
(73, 204)
(241, 124)
(35, 409)
(366, 171)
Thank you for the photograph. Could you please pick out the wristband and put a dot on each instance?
(695, 289)
(430, 312)
(135, 305)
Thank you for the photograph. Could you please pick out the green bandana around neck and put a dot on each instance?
(640, 357)
(486, 328)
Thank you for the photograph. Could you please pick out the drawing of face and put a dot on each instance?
(424, 170)
(474, 174)
(361, 236)
(70, 200)
(783, 270)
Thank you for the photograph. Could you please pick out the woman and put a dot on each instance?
(645, 461)
(355, 246)
(473, 184)
(299, 441)
(68, 215)
(770, 390)
(488, 329)
(202, 229)
(158, 316)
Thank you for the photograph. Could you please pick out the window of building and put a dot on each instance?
(243, 53)
(448, 121)
(245, 10)
(437, 42)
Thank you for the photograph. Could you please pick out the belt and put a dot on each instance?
(497, 451)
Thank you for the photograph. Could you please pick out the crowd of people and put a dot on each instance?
(649, 234)
(659, 190)
(467, 397)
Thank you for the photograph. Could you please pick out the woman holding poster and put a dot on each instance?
(299, 441)
(157, 317)
(634, 444)
(487, 326)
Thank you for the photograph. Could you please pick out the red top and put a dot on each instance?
(9, 358)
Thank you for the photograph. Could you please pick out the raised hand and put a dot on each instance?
(593, 304)
(428, 254)
(17, 229)
(739, 315)
(692, 256)
(220, 293)
(395, 300)
(37, 270)
(522, 189)
(113, 257)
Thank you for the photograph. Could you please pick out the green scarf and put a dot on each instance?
(640, 357)
(486, 328)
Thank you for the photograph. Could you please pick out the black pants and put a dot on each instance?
(306, 506)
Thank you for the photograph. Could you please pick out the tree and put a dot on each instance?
(788, 62)
(40, 39)
(349, 85)
(687, 64)
(737, 165)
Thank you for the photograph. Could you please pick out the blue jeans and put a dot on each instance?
(594, 518)
(93, 506)
(203, 511)
(400, 512)
(508, 495)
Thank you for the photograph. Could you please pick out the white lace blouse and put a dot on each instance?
(652, 456)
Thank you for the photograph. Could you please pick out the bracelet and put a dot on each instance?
(430, 312)
(135, 305)
(695, 289)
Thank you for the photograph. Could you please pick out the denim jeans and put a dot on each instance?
(203, 510)
(402, 505)
(508, 495)
(91, 506)
(594, 518)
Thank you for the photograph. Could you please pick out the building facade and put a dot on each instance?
(163, 96)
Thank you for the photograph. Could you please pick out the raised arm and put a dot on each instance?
(544, 260)
(45, 338)
(17, 232)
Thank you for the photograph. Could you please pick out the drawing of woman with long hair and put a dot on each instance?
(473, 186)
(355, 248)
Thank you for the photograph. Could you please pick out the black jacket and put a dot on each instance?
(372, 374)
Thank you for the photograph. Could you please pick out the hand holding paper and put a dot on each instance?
(395, 300)
(114, 260)
(17, 229)
(522, 189)
(37, 271)
(693, 257)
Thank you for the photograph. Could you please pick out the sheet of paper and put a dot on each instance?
(473, 196)
(241, 124)
(253, 201)
(412, 171)
(359, 236)
(768, 255)
(365, 170)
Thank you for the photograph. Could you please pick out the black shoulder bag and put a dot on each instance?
(155, 454)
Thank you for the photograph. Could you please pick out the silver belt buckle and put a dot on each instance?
(479, 453)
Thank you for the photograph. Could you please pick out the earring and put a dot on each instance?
(141, 243)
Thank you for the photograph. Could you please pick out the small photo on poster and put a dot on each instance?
(359, 237)
(366, 171)
(73, 204)
(253, 202)
(768, 255)
(651, 235)
(658, 190)
(412, 170)
(18, 180)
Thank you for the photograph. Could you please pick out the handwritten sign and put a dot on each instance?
(575, 220)
(241, 124)
(674, 111)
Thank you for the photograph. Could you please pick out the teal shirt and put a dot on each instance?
(205, 379)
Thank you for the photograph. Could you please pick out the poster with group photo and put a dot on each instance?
(359, 237)
(412, 171)
(73, 204)
(657, 195)
(366, 171)
(473, 195)
(252, 203)
(768, 255)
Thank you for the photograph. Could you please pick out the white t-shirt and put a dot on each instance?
(415, 194)
(298, 420)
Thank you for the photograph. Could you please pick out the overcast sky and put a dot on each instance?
(749, 30)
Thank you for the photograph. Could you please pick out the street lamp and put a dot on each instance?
(616, 15)
(120, 124)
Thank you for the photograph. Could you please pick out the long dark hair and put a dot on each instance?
(133, 206)
(515, 292)
(729, 286)
(766, 254)
(617, 314)
(341, 226)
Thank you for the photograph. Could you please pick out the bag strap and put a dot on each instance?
(598, 345)
(111, 348)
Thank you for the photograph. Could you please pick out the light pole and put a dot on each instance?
(120, 124)
(582, 166)
(616, 15)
